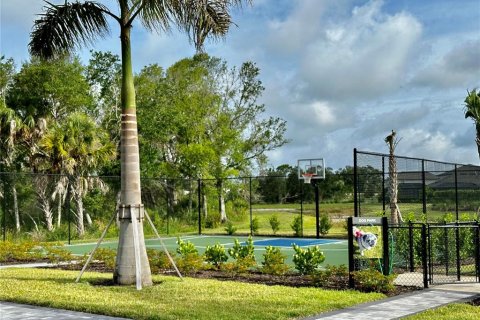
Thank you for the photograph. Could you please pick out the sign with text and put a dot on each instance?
(367, 221)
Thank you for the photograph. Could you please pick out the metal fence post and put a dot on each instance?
(351, 264)
(386, 251)
(456, 194)
(4, 206)
(301, 206)
(424, 255)
(477, 250)
(410, 242)
(199, 195)
(424, 189)
(457, 248)
(355, 182)
(250, 205)
(69, 214)
(383, 185)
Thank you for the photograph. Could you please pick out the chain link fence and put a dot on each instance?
(60, 207)
(427, 190)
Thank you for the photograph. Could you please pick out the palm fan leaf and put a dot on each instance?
(62, 27)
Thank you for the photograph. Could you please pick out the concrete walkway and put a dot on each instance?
(15, 311)
(407, 304)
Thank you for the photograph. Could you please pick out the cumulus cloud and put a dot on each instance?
(361, 58)
(460, 67)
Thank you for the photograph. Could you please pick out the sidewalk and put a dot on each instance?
(407, 304)
(15, 311)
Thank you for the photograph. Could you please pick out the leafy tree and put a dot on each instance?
(103, 73)
(50, 89)
(237, 132)
(7, 70)
(472, 111)
(62, 27)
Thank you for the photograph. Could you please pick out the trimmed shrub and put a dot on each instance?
(325, 223)
(255, 225)
(331, 277)
(297, 226)
(216, 255)
(373, 281)
(274, 223)
(274, 261)
(230, 229)
(307, 260)
(158, 260)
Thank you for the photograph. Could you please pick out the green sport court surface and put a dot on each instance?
(335, 250)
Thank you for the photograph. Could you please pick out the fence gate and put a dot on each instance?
(453, 253)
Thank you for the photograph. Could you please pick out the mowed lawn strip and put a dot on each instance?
(456, 311)
(171, 298)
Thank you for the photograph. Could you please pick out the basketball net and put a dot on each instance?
(307, 177)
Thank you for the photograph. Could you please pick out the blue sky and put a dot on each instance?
(343, 73)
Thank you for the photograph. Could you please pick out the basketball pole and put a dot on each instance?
(317, 208)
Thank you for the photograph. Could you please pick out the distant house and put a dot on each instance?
(468, 177)
(415, 177)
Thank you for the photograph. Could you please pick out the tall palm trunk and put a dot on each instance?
(130, 196)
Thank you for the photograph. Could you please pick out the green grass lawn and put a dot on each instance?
(457, 311)
(171, 298)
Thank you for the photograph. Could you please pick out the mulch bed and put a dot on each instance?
(290, 280)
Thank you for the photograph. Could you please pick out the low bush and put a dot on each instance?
(255, 225)
(21, 251)
(243, 255)
(307, 260)
(54, 253)
(216, 255)
(188, 261)
(373, 281)
(274, 223)
(331, 277)
(103, 255)
(230, 229)
(158, 260)
(297, 226)
(325, 223)
(274, 261)
(185, 247)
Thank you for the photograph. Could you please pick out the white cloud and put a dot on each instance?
(460, 67)
(364, 57)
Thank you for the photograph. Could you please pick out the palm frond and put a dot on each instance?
(62, 27)
(155, 15)
(201, 19)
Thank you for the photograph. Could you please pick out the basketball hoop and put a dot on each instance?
(307, 177)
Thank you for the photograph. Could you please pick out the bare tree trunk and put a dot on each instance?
(80, 215)
(392, 168)
(89, 219)
(43, 190)
(15, 208)
(59, 210)
(205, 206)
(221, 202)
(393, 177)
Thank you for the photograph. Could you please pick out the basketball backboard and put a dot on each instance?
(311, 167)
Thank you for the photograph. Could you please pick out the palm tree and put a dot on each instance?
(472, 110)
(77, 147)
(62, 27)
